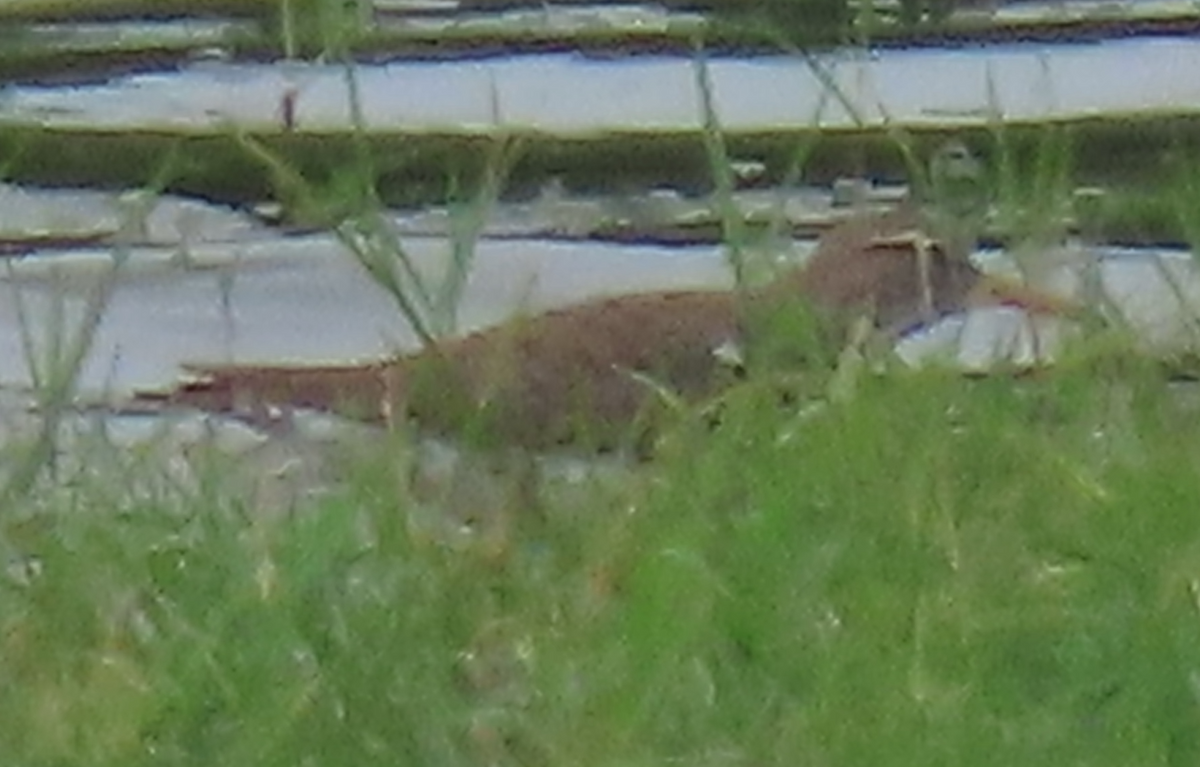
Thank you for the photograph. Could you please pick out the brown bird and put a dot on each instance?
(588, 374)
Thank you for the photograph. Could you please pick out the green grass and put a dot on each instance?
(935, 571)
(1130, 156)
(938, 572)
(925, 569)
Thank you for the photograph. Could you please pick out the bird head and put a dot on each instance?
(958, 198)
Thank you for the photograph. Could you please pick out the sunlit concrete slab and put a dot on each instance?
(571, 94)
(299, 299)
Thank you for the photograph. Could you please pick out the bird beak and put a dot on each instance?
(994, 290)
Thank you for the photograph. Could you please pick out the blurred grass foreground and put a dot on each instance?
(935, 571)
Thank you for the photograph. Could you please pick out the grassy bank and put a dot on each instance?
(1132, 156)
(937, 571)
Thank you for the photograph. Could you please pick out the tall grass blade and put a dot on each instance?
(54, 371)
(468, 218)
(732, 222)
(56, 359)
